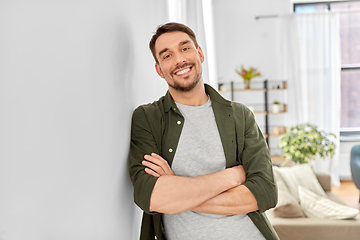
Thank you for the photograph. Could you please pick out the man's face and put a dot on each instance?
(179, 60)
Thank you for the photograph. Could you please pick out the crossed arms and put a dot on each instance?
(157, 189)
(221, 192)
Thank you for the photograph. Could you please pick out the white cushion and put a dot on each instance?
(287, 206)
(301, 175)
(316, 206)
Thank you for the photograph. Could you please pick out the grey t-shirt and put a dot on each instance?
(200, 152)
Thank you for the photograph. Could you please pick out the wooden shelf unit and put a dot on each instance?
(282, 86)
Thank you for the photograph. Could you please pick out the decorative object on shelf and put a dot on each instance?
(304, 142)
(277, 131)
(247, 75)
(275, 107)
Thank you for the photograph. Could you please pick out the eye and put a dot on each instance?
(185, 49)
(167, 56)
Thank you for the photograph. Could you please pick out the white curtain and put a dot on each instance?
(198, 15)
(311, 63)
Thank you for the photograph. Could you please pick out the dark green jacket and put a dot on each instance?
(155, 129)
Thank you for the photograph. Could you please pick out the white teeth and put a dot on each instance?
(183, 71)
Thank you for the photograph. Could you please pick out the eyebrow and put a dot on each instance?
(180, 44)
(162, 51)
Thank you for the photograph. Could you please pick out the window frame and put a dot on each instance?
(328, 3)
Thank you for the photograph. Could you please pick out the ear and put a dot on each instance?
(201, 54)
(158, 70)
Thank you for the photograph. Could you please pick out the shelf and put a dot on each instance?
(277, 112)
(259, 112)
(270, 112)
(264, 112)
(276, 89)
(266, 107)
(271, 135)
(281, 85)
(243, 90)
(277, 160)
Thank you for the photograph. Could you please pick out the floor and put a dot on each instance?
(348, 192)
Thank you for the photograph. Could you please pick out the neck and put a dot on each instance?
(195, 97)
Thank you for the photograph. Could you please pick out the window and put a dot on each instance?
(350, 58)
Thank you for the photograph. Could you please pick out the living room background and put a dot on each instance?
(241, 39)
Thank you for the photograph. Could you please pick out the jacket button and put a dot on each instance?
(170, 150)
(178, 122)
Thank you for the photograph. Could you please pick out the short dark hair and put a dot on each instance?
(170, 27)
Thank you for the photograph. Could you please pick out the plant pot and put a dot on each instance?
(275, 108)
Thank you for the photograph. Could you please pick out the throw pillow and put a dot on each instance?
(287, 206)
(301, 175)
(316, 206)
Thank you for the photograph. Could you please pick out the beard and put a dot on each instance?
(178, 86)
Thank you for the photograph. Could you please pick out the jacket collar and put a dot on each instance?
(214, 96)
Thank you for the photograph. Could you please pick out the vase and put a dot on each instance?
(247, 83)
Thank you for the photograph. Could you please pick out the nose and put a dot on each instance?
(180, 59)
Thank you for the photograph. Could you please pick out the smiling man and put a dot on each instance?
(199, 164)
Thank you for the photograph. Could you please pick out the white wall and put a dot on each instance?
(241, 39)
(71, 72)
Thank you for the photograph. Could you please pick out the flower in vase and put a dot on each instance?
(247, 75)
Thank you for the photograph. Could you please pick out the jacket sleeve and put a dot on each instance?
(255, 157)
(142, 142)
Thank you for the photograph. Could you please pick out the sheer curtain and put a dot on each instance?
(198, 15)
(311, 63)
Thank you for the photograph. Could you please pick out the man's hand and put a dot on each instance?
(156, 165)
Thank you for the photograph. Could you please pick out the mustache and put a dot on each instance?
(182, 66)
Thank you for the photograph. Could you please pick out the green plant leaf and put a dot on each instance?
(304, 142)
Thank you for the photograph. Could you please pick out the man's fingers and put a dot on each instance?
(162, 163)
(151, 172)
(157, 156)
(153, 167)
(159, 161)
(155, 160)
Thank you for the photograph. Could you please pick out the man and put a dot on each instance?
(199, 164)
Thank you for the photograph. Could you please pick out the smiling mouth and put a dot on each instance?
(183, 71)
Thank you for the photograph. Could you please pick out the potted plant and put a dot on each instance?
(275, 107)
(304, 142)
(247, 75)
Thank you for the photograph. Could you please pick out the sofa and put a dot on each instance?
(293, 221)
